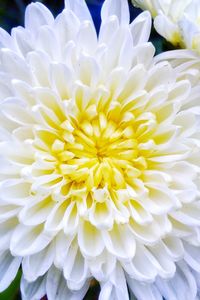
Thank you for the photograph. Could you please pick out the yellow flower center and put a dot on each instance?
(101, 153)
(106, 150)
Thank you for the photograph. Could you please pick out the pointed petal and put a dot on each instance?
(117, 8)
(37, 15)
(80, 9)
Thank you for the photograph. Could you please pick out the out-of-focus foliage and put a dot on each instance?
(12, 293)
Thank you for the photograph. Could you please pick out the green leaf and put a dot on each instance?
(12, 292)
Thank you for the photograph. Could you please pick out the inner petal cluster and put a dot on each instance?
(103, 151)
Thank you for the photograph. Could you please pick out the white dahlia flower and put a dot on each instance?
(99, 159)
(176, 20)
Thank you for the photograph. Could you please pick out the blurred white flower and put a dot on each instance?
(99, 158)
(176, 20)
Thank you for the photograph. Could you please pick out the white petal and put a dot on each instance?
(33, 290)
(181, 286)
(108, 29)
(117, 8)
(139, 212)
(86, 40)
(62, 77)
(160, 74)
(9, 266)
(126, 53)
(39, 62)
(120, 241)
(141, 267)
(47, 42)
(37, 211)
(166, 290)
(141, 28)
(8, 211)
(101, 215)
(162, 198)
(167, 28)
(188, 215)
(90, 240)
(192, 256)
(56, 287)
(5, 39)
(66, 27)
(80, 9)
(56, 218)
(5, 88)
(118, 280)
(88, 71)
(166, 267)
(6, 230)
(22, 40)
(38, 264)
(15, 191)
(147, 233)
(71, 219)
(180, 92)
(78, 274)
(133, 84)
(102, 266)
(29, 240)
(143, 54)
(14, 65)
(17, 113)
(144, 291)
(54, 278)
(174, 247)
(37, 15)
(24, 91)
(106, 291)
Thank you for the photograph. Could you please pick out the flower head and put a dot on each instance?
(99, 158)
(177, 21)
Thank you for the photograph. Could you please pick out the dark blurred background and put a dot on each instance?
(12, 11)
